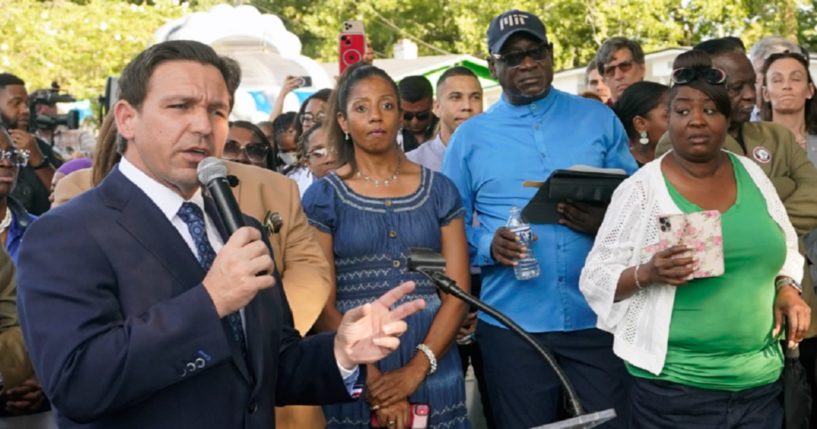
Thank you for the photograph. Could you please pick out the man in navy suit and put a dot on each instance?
(140, 312)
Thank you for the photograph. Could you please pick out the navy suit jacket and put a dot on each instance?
(122, 333)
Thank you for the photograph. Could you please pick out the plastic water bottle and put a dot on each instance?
(528, 267)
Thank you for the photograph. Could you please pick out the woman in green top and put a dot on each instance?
(703, 351)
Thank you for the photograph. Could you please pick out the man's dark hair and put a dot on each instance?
(697, 59)
(723, 45)
(613, 44)
(133, 83)
(7, 79)
(455, 71)
(415, 88)
(639, 99)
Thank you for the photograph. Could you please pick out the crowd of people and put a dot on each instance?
(135, 307)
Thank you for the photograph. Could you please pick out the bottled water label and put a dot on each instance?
(523, 232)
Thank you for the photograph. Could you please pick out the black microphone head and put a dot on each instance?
(211, 168)
(423, 259)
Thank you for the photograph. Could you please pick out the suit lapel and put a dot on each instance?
(235, 347)
(149, 227)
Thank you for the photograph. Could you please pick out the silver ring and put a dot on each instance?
(391, 422)
(374, 408)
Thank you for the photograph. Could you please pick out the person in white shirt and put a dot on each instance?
(459, 97)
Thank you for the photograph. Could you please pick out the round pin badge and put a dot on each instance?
(762, 155)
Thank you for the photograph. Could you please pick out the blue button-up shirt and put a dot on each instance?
(488, 158)
(15, 236)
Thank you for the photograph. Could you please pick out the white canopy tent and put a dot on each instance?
(265, 49)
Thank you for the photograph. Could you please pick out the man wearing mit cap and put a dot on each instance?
(533, 130)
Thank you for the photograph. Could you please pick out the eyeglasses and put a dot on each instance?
(18, 157)
(320, 153)
(313, 119)
(514, 59)
(624, 66)
(256, 151)
(710, 75)
(421, 116)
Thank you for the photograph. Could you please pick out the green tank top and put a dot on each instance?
(720, 331)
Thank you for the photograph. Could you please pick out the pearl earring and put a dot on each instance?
(347, 136)
(644, 139)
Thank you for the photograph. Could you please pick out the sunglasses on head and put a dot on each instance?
(421, 116)
(624, 66)
(256, 151)
(515, 58)
(18, 157)
(710, 75)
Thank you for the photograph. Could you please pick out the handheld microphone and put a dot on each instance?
(212, 173)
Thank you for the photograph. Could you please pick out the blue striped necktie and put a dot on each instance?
(192, 215)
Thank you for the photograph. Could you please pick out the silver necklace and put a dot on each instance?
(6, 221)
(385, 182)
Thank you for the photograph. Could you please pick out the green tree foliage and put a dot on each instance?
(577, 27)
(78, 44)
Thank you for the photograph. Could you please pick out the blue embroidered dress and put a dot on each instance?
(371, 237)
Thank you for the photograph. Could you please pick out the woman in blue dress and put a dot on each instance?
(368, 214)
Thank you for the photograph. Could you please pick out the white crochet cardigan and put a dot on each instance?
(628, 236)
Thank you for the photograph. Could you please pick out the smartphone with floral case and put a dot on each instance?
(700, 231)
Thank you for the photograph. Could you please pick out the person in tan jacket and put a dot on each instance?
(274, 200)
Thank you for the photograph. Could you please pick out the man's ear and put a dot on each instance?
(492, 67)
(125, 116)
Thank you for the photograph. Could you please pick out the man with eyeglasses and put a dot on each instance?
(620, 62)
(24, 403)
(533, 130)
(419, 122)
(34, 181)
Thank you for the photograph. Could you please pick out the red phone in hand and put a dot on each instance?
(352, 44)
(418, 419)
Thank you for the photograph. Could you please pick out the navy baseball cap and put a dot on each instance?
(511, 22)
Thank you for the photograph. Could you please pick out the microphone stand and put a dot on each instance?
(579, 420)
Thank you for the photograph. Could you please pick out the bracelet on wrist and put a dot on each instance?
(635, 275)
(432, 360)
(787, 281)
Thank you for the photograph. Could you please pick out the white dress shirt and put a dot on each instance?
(169, 202)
